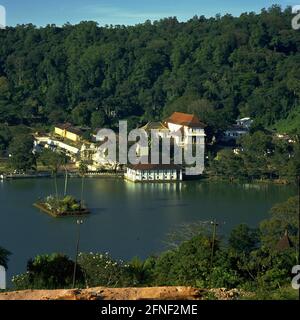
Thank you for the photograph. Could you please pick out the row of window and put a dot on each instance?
(234, 134)
(159, 178)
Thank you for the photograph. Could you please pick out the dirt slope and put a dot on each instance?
(155, 293)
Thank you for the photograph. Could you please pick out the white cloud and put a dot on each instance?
(122, 15)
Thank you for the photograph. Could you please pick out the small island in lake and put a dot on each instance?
(61, 207)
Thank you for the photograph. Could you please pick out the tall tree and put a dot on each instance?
(21, 155)
(54, 161)
(83, 169)
(4, 254)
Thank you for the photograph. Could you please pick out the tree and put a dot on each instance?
(53, 271)
(293, 167)
(284, 216)
(4, 88)
(245, 66)
(264, 269)
(81, 114)
(83, 169)
(5, 138)
(228, 164)
(21, 156)
(257, 150)
(98, 119)
(187, 265)
(102, 270)
(4, 254)
(53, 160)
(243, 240)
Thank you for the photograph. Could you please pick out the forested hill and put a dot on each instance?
(220, 68)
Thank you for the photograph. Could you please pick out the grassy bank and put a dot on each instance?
(215, 178)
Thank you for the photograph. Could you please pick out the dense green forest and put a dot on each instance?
(220, 68)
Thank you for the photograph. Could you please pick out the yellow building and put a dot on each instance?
(67, 131)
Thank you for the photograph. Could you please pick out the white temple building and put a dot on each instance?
(188, 127)
(154, 173)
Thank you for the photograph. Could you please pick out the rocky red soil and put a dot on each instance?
(154, 293)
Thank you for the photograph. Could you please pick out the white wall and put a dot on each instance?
(67, 147)
(56, 143)
(174, 127)
(194, 131)
(2, 278)
(188, 133)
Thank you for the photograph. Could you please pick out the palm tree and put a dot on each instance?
(66, 180)
(83, 169)
(53, 160)
(4, 257)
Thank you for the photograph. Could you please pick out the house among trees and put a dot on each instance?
(154, 173)
(42, 141)
(185, 129)
(67, 131)
(240, 128)
(188, 126)
(70, 140)
(245, 123)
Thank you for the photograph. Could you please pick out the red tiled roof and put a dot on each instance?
(154, 167)
(185, 119)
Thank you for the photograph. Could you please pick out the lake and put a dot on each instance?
(127, 219)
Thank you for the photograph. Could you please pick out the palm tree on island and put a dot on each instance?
(66, 205)
(83, 169)
(53, 161)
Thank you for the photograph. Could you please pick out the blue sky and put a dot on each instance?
(128, 12)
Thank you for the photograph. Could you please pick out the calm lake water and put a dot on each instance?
(127, 219)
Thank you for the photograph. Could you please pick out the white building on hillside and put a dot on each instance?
(240, 128)
(188, 126)
(187, 129)
(245, 123)
(45, 141)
